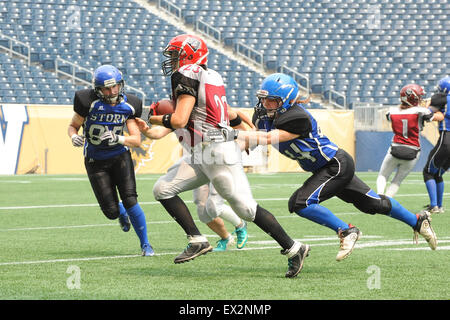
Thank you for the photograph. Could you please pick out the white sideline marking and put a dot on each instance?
(82, 226)
(156, 202)
(14, 181)
(115, 224)
(372, 244)
(421, 248)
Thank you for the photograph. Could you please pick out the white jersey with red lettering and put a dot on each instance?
(210, 108)
(218, 162)
(407, 124)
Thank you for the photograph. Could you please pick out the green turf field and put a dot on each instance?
(56, 244)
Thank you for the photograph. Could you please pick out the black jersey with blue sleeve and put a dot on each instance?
(100, 116)
(441, 102)
(312, 150)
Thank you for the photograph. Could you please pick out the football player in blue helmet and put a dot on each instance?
(438, 160)
(444, 85)
(103, 112)
(278, 87)
(295, 133)
(108, 83)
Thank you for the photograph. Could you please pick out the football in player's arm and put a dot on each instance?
(211, 208)
(201, 108)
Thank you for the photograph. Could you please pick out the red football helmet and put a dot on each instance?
(182, 50)
(411, 95)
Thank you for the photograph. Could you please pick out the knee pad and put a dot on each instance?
(427, 175)
(111, 212)
(162, 190)
(129, 202)
(212, 209)
(294, 205)
(202, 212)
(373, 206)
(246, 210)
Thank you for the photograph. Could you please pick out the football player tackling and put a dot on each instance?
(296, 134)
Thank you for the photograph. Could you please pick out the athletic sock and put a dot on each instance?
(323, 216)
(400, 213)
(439, 193)
(267, 222)
(122, 210)
(432, 191)
(137, 219)
(180, 212)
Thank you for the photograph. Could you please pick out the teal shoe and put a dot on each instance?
(223, 244)
(242, 236)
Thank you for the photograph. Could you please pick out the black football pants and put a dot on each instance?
(108, 176)
(337, 178)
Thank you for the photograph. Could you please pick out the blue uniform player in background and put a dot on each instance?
(439, 158)
(103, 112)
(292, 130)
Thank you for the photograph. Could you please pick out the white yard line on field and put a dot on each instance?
(381, 243)
(156, 202)
(115, 224)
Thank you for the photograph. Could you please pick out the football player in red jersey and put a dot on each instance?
(406, 121)
(211, 207)
(201, 108)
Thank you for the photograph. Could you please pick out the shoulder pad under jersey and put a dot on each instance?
(82, 101)
(186, 80)
(438, 100)
(136, 103)
(294, 120)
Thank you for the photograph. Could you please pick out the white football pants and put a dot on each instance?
(218, 163)
(391, 163)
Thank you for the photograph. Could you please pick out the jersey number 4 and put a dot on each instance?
(299, 154)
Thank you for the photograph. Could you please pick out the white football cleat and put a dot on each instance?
(348, 240)
(423, 227)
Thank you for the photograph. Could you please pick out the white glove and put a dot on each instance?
(228, 132)
(112, 137)
(77, 141)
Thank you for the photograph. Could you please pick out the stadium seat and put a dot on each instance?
(330, 42)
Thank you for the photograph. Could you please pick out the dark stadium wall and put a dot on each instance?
(371, 147)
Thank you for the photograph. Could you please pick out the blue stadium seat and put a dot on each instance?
(334, 32)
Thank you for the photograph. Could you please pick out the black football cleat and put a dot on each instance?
(124, 221)
(193, 250)
(295, 260)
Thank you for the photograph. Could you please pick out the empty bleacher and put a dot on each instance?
(366, 50)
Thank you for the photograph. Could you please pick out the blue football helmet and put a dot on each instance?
(108, 76)
(280, 87)
(444, 85)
